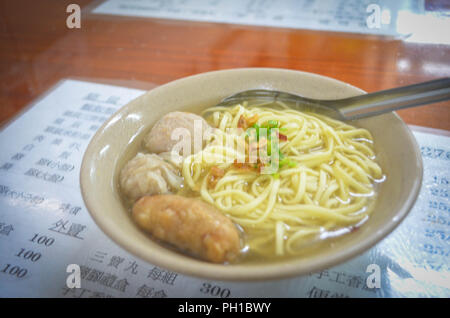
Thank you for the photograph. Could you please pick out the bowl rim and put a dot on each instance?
(276, 270)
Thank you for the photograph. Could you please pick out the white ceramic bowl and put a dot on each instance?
(119, 138)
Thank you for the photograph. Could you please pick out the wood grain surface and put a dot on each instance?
(37, 50)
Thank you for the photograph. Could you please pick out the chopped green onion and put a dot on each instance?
(273, 123)
(257, 127)
(287, 162)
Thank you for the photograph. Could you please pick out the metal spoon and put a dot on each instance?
(354, 107)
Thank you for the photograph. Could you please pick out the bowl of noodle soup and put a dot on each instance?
(337, 188)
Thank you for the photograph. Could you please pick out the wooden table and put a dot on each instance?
(37, 50)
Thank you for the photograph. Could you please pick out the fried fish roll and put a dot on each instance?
(190, 224)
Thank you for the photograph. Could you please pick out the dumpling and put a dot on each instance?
(148, 174)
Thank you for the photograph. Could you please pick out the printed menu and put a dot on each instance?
(356, 16)
(45, 227)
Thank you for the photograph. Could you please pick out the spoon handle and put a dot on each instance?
(392, 99)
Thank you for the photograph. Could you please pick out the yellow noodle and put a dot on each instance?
(330, 187)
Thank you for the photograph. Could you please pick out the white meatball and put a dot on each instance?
(148, 174)
(163, 137)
